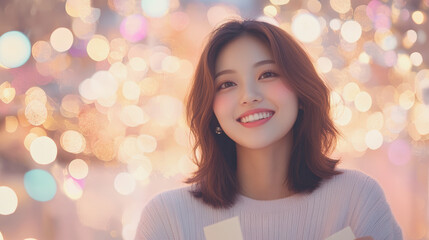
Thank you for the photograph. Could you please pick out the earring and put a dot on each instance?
(218, 130)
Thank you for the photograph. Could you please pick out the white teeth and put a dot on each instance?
(255, 117)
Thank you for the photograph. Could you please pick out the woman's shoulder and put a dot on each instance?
(354, 181)
(169, 198)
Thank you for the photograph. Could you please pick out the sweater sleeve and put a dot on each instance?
(373, 214)
(154, 222)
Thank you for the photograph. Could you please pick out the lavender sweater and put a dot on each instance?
(349, 199)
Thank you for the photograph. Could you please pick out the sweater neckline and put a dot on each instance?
(246, 203)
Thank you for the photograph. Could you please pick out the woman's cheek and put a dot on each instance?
(279, 90)
(220, 103)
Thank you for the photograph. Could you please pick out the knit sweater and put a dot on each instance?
(349, 199)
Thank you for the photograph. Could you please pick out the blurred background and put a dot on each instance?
(92, 103)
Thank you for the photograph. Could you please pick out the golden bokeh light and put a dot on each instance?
(61, 39)
(43, 150)
(72, 141)
(306, 27)
(374, 139)
(104, 149)
(270, 11)
(36, 113)
(407, 99)
(351, 31)
(279, 2)
(131, 90)
(11, 124)
(78, 169)
(7, 92)
(358, 140)
(350, 91)
(41, 51)
(146, 143)
(140, 167)
(35, 94)
(340, 6)
(343, 116)
(138, 64)
(403, 64)
(171, 64)
(416, 59)
(149, 86)
(418, 17)
(128, 149)
(70, 106)
(72, 189)
(83, 30)
(421, 116)
(324, 64)
(375, 121)
(8, 199)
(363, 101)
(124, 183)
(98, 48)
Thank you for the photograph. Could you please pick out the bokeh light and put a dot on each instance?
(78, 169)
(36, 113)
(134, 28)
(40, 185)
(43, 150)
(124, 183)
(8, 199)
(73, 141)
(61, 39)
(306, 27)
(155, 8)
(363, 101)
(351, 31)
(11, 124)
(7, 92)
(15, 49)
(374, 139)
(72, 189)
(98, 48)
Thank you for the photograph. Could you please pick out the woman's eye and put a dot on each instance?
(267, 75)
(225, 85)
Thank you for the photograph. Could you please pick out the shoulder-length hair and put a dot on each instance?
(314, 132)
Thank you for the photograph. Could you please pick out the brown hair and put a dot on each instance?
(314, 132)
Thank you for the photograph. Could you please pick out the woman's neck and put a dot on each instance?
(262, 172)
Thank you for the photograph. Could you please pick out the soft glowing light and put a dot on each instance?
(279, 2)
(139, 167)
(36, 113)
(155, 8)
(35, 94)
(40, 185)
(133, 116)
(104, 149)
(138, 64)
(409, 39)
(83, 30)
(399, 152)
(324, 64)
(358, 140)
(270, 11)
(8, 199)
(374, 139)
(98, 48)
(61, 39)
(364, 58)
(385, 39)
(134, 28)
(146, 143)
(78, 169)
(406, 99)
(375, 121)
(15, 49)
(41, 51)
(7, 92)
(128, 149)
(416, 59)
(72, 189)
(43, 150)
(306, 27)
(124, 183)
(340, 6)
(351, 31)
(70, 106)
(343, 116)
(350, 91)
(11, 124)
(314, 6)
(421, 116)
(171, 64)
(363, 101)
(131, 90)
(101, 85)
(73, 141)
(403, 63)
(149, 86)
(335, 24)
(165, 110)
(219, 13)
(418, 17)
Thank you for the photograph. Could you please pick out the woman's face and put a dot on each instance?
(249, 86)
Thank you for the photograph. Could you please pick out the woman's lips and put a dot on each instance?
(256, 123)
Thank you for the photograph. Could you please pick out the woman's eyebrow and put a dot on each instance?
(268, 61)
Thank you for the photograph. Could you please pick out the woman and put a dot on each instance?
(259, 113)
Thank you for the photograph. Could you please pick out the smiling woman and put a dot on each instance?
(259, 113)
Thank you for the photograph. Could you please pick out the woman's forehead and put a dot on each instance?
(245, 50)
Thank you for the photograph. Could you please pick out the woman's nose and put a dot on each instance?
(250, 94)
